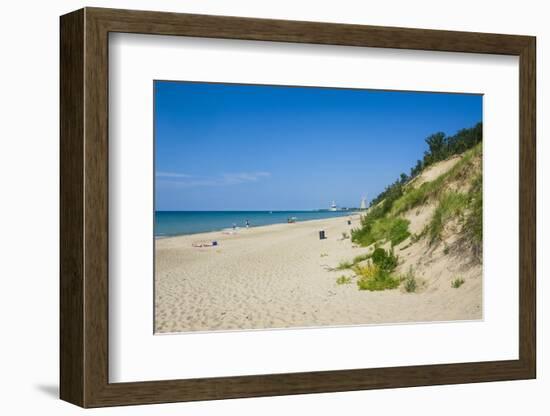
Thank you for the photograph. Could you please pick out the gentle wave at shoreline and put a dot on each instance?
(175, 223)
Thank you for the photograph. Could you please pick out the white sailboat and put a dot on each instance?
(333, 207)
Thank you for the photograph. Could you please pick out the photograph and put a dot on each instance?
(284, 207)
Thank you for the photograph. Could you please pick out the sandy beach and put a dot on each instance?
(280, 276)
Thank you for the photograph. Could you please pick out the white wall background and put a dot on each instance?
(29, 207)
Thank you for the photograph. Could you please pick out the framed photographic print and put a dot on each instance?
(255, 207)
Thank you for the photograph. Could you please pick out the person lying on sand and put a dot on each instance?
(204, 243)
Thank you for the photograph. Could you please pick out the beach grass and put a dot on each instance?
(411, 284)
(347, 264)
(450, 205)
(361, 257)
(343, 280)
(393, 229)
(344, 265)
(474, 222)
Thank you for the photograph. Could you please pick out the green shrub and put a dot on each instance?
(456, 283)
(369, 271)
(360, 236)
(377, 280)
(377, 275)
(385, 260)
(378, 255)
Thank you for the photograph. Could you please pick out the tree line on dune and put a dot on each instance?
(457, 199)
(440, 147)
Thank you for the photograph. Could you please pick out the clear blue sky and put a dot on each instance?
(242, 147)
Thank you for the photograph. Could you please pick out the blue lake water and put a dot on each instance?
(170, 223)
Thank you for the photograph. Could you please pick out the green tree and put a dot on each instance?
(438, 146)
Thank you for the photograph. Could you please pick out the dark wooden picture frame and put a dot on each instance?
(84, 207)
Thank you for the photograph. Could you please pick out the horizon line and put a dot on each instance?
(255, 210)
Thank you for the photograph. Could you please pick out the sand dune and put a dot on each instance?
(434, 171)
(279, 276)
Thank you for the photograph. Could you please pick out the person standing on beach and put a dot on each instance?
(247, 223)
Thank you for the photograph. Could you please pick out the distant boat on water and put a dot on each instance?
(336, 208)
(363, 203)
